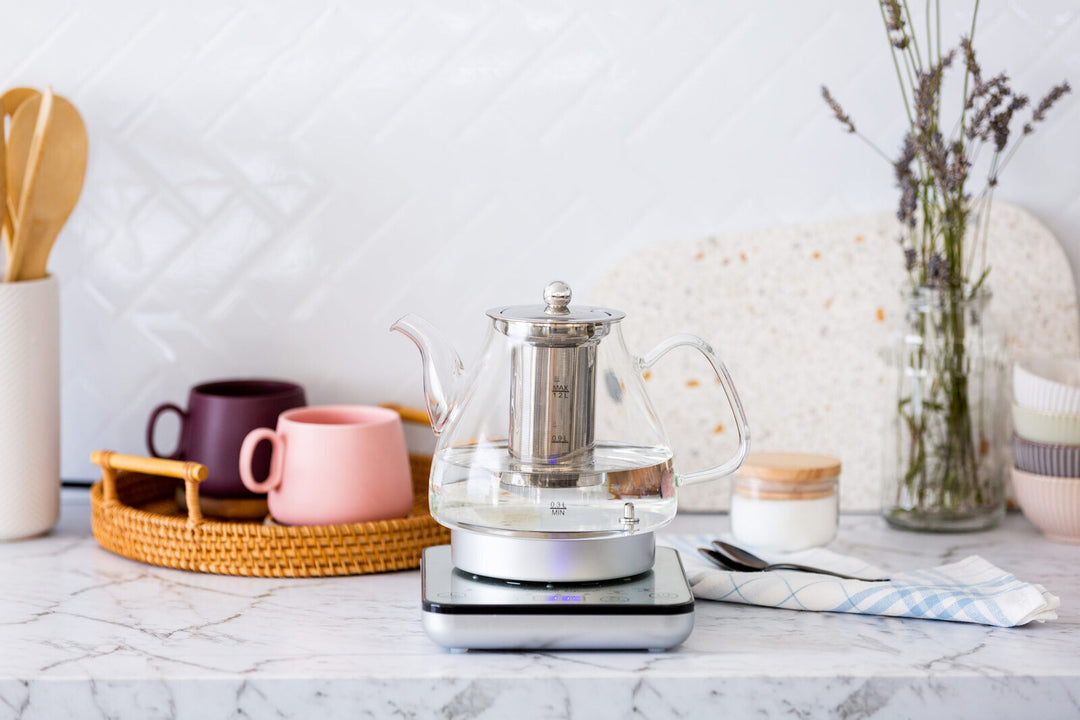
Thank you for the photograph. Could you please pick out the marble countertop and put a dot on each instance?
(85, 633)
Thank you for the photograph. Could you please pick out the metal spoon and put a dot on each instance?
(735, 558)
(719, 560)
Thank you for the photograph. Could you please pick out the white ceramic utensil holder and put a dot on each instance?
(29, 407)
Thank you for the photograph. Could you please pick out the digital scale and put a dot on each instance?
(653, 610)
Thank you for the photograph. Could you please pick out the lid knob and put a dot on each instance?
(557, 296)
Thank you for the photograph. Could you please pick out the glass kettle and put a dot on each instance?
(551, 434)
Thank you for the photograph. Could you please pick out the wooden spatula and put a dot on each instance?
(27, 142)
(9, 103)
(51, 184)
(5, 222)
(14, 97)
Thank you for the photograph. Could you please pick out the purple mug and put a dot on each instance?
(219, 416)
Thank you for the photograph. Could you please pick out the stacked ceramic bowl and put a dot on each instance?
(1046, 445)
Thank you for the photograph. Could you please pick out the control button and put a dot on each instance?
(663, 595)
(613, 598)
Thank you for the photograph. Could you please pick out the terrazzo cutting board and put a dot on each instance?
(801, 315)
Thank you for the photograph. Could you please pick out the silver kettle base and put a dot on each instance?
(552, 559)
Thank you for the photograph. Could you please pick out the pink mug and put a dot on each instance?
(332, 465)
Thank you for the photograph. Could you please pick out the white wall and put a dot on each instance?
(271, 184)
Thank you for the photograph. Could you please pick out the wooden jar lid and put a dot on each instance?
(789, 467)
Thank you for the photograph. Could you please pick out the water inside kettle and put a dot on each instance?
(481, 487)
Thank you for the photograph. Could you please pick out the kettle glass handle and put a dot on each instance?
(741, 425)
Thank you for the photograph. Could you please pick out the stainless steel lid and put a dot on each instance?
(555, 320)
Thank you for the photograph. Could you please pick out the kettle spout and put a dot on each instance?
(442, 367)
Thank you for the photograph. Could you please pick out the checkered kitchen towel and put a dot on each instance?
(971, 590)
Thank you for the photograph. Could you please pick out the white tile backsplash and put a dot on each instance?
(271, 183)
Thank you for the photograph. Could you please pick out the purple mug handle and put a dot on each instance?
(150, 430)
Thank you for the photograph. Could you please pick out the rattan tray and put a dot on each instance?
(135, 514)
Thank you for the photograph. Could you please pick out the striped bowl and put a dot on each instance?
(1044, 427)
(1045, 459)
(1052, 504)
(1047, 384)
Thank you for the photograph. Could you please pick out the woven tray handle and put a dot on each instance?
(408, 414)
(191, 473)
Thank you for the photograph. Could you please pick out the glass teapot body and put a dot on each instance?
(552, 434)
(554, 440)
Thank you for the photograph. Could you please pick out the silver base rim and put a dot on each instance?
(552, 559)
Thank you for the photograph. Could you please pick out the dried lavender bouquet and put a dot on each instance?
(945, 477)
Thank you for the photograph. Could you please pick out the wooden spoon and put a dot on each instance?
(5, 221)
(27, 141)
(50, 187)
(9, 103)
(15, 97)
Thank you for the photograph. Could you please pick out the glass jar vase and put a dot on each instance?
(945, 469)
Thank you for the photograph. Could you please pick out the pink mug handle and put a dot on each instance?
(277, 458)
(153, 422)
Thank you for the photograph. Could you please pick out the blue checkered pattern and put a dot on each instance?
(971, 590)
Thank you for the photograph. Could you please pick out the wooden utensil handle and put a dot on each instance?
(20, 240)
(191, 473)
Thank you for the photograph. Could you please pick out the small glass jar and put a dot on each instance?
(785, 501)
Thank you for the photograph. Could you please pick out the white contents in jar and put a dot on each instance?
(783, 525)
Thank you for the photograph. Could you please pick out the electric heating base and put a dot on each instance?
(650, 611)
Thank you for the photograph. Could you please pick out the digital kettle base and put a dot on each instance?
(650, 611)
